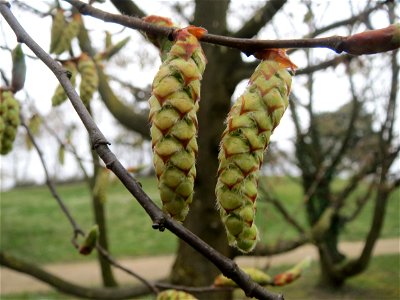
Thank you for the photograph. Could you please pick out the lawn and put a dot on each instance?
(33, 227)
(379, 282)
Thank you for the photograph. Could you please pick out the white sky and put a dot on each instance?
(331, 87)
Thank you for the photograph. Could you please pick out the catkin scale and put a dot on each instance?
(173, 108)
(250, 124)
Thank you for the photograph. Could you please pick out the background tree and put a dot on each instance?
(318, 163)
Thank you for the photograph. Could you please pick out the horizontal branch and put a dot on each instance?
(353, 44)
(324, 65)
(62, 285)
(279, 247)
(160, 220)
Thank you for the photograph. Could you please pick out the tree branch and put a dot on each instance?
(349, 44)
(128, 7)
(360, 203)
(334, 62)
(259, 19)
(344, 143)
(281, 209)
(60, 284)
(160, 221)
(280, 246)
(359, 264)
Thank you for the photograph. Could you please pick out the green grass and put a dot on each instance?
(33, 227)
(379, 282)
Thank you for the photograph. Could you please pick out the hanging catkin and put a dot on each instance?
(173, 107)
(9, 113)
(89, 78)
(250, 124)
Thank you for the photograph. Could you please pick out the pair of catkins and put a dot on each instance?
(250, 123)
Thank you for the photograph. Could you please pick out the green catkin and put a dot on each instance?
(70, 31)
(250, 124)
(10, 116)
(57, 28)
(3, 115)
(173, 107)
(59, 95)
(175, 295)
(89, 78)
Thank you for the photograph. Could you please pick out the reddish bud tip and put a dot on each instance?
(278, 55)
(198, 32)
(157, 20)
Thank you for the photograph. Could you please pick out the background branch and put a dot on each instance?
(60, 284)
(259, 19)
(280, 208)
(52, 188)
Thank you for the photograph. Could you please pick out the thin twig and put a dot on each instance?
(247, 46)
(160, 221)
(279, 206)
(52, 188)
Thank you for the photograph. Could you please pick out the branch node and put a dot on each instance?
(99, 140)
(159, 223)
(68, 74)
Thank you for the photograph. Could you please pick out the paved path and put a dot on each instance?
(158, 267)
